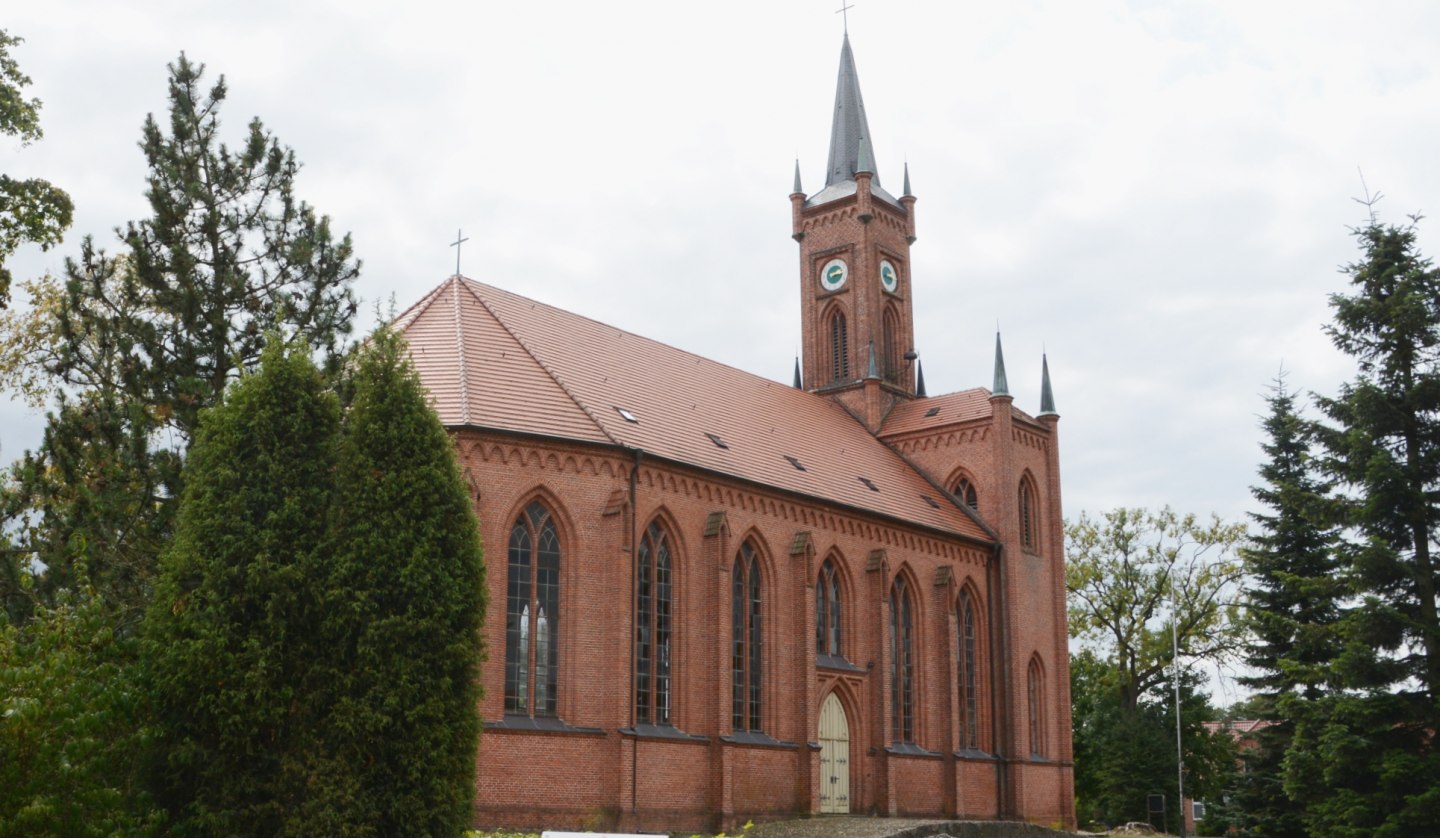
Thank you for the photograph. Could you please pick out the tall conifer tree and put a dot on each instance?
(230, 634)
(1367, 765)
(1293, 595)
(403, 606)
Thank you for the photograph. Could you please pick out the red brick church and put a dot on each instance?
(716, 597)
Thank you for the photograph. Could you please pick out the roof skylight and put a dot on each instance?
(719, 443)
(868, 484)
(794, 462)
(627, 415)
(932, 411)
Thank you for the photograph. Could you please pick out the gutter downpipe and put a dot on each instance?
(1000, 686)
(634, 615)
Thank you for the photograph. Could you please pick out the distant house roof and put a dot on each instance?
(492, 359)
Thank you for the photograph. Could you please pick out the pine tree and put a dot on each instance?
(229, 636)
(1293, 596)
(403, 606)
(228, 257)
(1368, 764)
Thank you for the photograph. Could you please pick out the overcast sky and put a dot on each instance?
(1157, 194)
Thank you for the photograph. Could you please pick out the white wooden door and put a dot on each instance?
(834, 758)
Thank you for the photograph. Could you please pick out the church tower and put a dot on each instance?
(855, 289)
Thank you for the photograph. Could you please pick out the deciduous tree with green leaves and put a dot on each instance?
(31, 210)
(1132, 572)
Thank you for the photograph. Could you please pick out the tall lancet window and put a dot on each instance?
(532, 614)
(653, 628)
(968, 672)
(827, 612)
(1036, 702)
(839, 348)
(1029, 525)
(902, 663)
(747, 639)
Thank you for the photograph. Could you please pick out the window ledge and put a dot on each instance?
(755, 737)
(836, 662)
(538, 724)
(909, 749)
(668, 732)
(975, 754)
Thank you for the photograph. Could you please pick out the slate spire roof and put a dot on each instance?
(851, 147)
(498, 362)
(1047, 398)
(1001, 386)
(850, 131)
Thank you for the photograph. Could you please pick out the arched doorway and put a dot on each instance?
(834, 758)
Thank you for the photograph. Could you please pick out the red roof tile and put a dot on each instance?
(949, 409)
(498, 360)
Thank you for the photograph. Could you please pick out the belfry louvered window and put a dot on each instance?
(839, 348)
(747, 640)
(890, 345)
(532, 614)
(902, 663)
(653, 628)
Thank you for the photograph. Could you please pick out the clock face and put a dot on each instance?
(834, 274)
(889, 279)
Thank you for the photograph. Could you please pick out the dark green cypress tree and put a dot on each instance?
(1369, 763)
(1293, 597)
(229, 635)
(404, 602)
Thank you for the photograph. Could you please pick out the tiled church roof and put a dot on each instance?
(493, 359)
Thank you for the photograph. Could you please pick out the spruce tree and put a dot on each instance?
(1293, 597)
(1368, 764)
(230, 635)
(404, 602)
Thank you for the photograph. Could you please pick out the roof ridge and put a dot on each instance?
(584, 408)
(460, 353)
(413, 313)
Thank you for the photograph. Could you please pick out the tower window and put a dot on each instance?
(890, 345)
(839, 349)
(1029, 526)
(1036, 702)
(965, 491)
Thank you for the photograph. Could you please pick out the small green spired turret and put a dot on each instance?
(1001, 387)
(1047, 398)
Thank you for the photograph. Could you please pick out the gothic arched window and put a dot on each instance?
(968, 671)
(839, 348)
(902, 663)
(890, 340)
(1036, 701)
(653, 630)
(532, 614)
(965, 491)
(747, 639)
(1028, 513)
(827, 611)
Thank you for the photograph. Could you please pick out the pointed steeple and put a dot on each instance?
(919, 380)
(906, 192)
(1047, 398)
(873, 371)
(798, 189)
(798, 385)
(1000, 387)
(850, 132)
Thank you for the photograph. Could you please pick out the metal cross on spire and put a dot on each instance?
(845, 18)
(459, 240)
